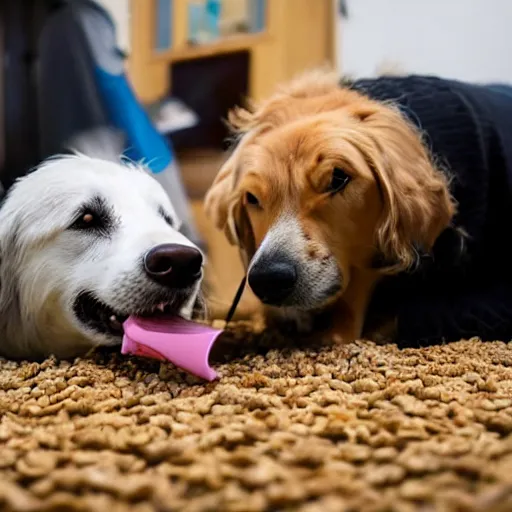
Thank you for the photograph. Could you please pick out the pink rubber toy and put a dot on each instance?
(182, 342)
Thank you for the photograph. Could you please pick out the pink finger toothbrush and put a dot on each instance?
(182, 342)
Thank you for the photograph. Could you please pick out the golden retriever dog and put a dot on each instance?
(346, 201)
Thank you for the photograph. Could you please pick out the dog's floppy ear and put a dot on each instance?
(245, 236)
(418, 205)
(223, 204)
(222, 199)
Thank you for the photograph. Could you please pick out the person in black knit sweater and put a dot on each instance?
(464, 287)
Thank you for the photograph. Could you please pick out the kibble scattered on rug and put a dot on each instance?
(348, 428)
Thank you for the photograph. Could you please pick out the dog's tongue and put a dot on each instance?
(182, 342)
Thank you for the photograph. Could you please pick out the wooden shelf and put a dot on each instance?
(228, 44)
(278, 53)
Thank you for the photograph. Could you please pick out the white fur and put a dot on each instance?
(45, 264)
(316, 277)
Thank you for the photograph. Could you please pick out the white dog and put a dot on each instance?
(84, 243)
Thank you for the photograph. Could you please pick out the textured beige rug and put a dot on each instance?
(351, 428)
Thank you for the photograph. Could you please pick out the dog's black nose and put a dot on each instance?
(173, 265)
(272, 281)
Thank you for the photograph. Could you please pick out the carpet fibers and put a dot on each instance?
(350, 428)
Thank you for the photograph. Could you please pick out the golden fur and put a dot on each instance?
(396, 202)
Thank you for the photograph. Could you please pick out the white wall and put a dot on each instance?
(464, 39)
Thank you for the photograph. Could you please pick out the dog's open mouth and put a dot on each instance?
(100, 317)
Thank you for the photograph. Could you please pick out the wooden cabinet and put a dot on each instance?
(296, 34)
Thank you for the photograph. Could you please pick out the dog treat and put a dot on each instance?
(182, 342)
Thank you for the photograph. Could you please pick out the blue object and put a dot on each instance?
(123, 110)
(258, 12)
(143, 142)
(82, 86)
(213, 12)
(195, 18)
(164, 25)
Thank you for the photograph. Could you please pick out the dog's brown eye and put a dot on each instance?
(87, 220)
(339, 181)
(96, 217)
(251, 199)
